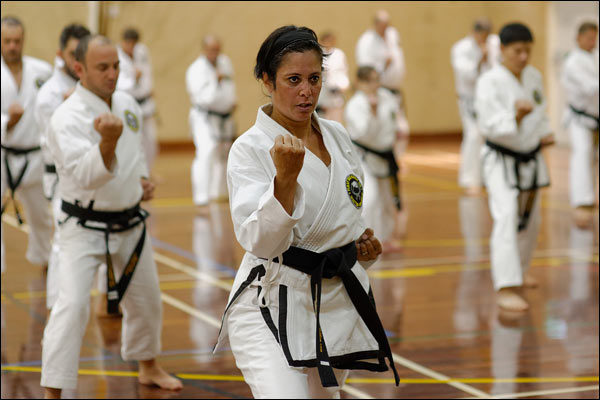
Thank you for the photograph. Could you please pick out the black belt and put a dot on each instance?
(585, 114)
(331, 263)
(142, 100)
(50, 168)
(392, 168)
(116, 221)
(13, 184)
(215, 113)
(519, 159)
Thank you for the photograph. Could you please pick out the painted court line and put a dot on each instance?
(542, 392)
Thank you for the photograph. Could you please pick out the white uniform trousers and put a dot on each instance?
(469, 172)
(379, 209)
(36, 212)
(511, 250)
(53, 265)
(209, 168)
(583, 169)
(149, 140)
(261, 359)
(81, 252)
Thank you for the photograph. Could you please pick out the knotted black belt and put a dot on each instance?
(223, 117)
(331, 263)
(393, 169)
(115, 221)
(50, 168)
(13, 184)
(519, 159)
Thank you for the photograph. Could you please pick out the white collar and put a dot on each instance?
(91, 99)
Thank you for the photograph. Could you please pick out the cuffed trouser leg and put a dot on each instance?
(527, 238)
(469, 173)
(39, 218)
(262, 362)
(582, 171)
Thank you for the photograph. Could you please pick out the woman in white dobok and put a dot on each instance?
(301, 313)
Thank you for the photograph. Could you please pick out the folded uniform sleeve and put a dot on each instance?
(261, 224)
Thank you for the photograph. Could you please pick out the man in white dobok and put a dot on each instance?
(580, 80)
(472, 56)
(209, 82)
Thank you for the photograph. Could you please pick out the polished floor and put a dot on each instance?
(434, 296)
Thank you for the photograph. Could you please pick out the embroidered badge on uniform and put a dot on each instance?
(132, 121)
(537, 96)
(39, 82)
(355, 190)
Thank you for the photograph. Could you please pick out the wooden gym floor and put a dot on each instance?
(435, 299)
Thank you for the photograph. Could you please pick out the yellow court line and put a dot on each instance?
(545, 393)
(239, 378)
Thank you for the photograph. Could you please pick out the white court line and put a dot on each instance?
(436, 375)
(542, 392)
(186, 307)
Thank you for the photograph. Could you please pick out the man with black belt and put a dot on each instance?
(94, 139)
(136, 79)
(580, 80)
(209, 82)
(21, 161)
(511, 115)
(60, 86)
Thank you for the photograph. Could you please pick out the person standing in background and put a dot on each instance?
(136, 79)
(22, 163)
(335, 79)
(472, 56)
(209, 82)
(580, 80)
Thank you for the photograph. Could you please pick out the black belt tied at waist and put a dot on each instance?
(116, 221)
(585, 114)
(520, 158)
(393, 169)
(13, 184)
(223, 117)
(50, 168)
(142, 100)
(329, 264)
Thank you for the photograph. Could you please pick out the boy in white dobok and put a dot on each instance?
(472, 56)
(511, 115)
(94, 139)
(21, 159)
(580, 80)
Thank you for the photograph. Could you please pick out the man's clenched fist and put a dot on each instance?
(109, 127)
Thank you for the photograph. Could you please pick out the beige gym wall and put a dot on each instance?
(173, 30)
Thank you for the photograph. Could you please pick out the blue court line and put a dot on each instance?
(192, 257)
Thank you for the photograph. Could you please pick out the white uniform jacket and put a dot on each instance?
(335, 79)
(327, 214)
(580, 80)
(141, 89)
(377, 132)
(74, 145)
(50, 96)
(465, 58)
(373, 50)
(495, 96)
(25, 134)
(209, 96)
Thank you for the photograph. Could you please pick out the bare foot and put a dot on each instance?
(530, 282)
(203, 210)
(52, 393)
(152, 374)
(510, 299)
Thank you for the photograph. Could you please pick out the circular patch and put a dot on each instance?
(355, 190)
(39, 82)
(131, 121)
(537, 97)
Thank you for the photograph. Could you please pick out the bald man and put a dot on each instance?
(21, 161)
(209, 82)
(95, 140)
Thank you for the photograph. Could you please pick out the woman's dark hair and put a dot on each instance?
(281, 41)
(515, 32)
